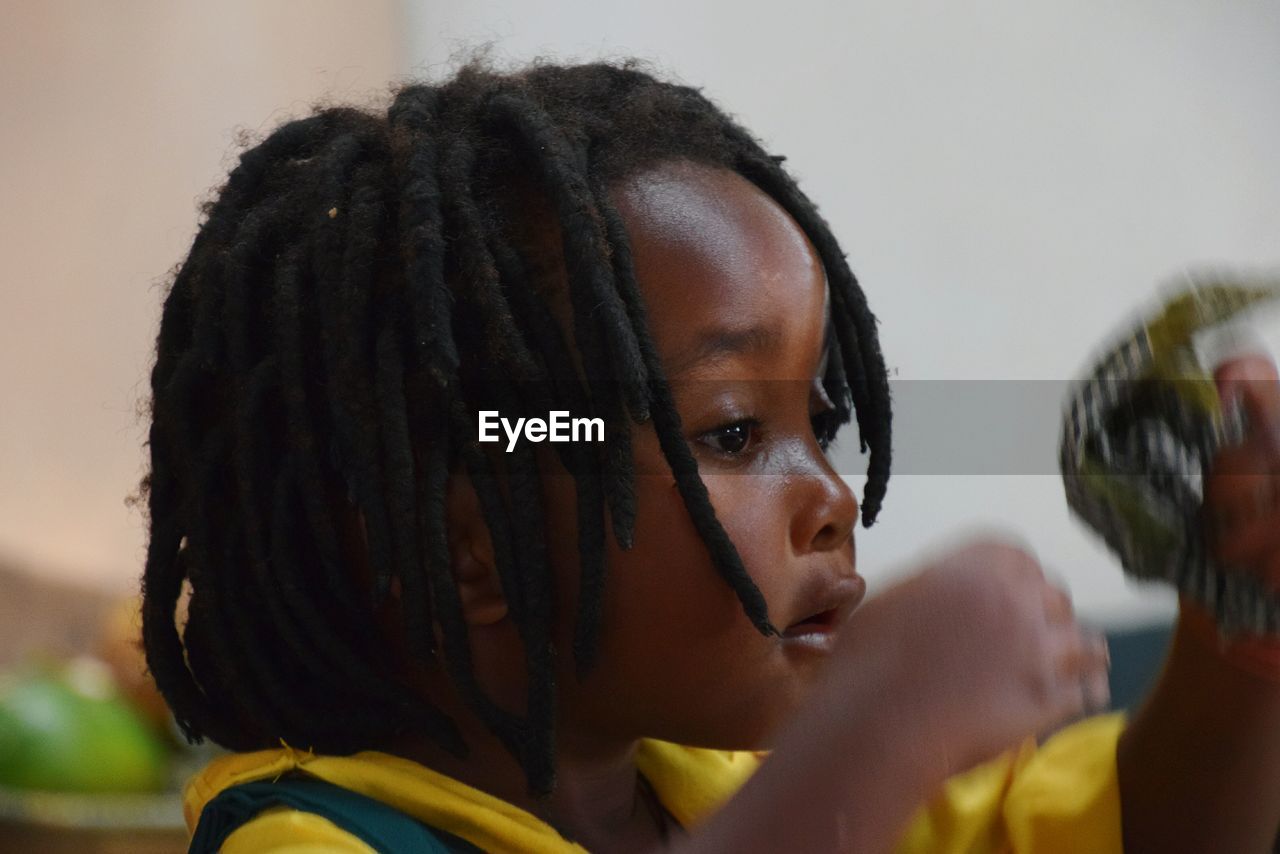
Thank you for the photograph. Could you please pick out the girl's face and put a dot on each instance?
(737, 307)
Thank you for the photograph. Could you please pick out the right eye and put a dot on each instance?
(731, 440)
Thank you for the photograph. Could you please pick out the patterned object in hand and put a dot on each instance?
(1138, 435)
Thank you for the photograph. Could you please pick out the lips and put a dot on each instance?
(826, 602)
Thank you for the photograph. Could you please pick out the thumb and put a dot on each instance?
(1253, 380)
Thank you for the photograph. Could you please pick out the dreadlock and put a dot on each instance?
(357, 290)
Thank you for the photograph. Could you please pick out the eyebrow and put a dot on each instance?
(723, 342)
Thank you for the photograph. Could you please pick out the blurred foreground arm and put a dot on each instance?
(937, 674)
(1199, 765)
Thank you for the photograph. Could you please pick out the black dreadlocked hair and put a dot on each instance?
(355, 292)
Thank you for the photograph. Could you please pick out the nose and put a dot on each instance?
(826, 510)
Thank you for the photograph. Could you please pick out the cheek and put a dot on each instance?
(667, 604)
(670, 570)
(752, 510)
(674, 632)
(700, 670)
(670, 575)
(678, 658)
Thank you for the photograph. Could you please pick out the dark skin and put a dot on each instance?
(678, 659)
(1199, 766)
(1200, 763)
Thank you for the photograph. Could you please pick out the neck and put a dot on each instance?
(597, 801)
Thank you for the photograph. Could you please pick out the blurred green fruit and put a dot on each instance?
(68, 730)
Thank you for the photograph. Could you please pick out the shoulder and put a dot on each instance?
(1061, 796)
(693, 782)
(283, 830)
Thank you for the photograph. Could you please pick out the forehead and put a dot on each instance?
(719, 262)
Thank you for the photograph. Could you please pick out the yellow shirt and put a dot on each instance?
(1062, 796)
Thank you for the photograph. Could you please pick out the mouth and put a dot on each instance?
(821, 622)
(829, 602)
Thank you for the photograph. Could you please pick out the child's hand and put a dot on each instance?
(980, 650)
(1242, 505)
(1199, 763)
(948, 668)
(1242, 495)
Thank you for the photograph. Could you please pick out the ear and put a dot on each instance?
(472, 557)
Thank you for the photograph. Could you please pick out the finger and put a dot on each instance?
(1242, 515)
(1087, 674)
(1097, 689)
(1251, 457)
(1083, 652)
(1086, 689)
(1082, 665)
(1246, 543)
(1254, 380)
(1252, 548)
(1241, 497)
(1057, 604)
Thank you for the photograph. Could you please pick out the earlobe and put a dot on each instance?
(479, 590)
(475, 568)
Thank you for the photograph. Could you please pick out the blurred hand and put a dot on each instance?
(1242, 492)
(960, 662)
(983, 650)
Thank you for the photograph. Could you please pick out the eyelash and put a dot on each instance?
(825, 426)
(751, 425)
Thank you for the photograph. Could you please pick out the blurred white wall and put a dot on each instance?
(1009, 179)
(117, 119)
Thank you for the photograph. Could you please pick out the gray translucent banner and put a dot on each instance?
(939, 427)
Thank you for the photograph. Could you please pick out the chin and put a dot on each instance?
(754, 725)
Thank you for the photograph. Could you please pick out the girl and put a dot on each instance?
(411, 638)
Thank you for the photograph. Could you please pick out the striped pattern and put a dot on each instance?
(1139, 432)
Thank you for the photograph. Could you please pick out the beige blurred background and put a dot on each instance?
(1010, 181)
(118, 118)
